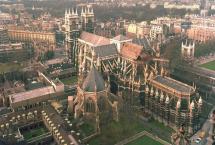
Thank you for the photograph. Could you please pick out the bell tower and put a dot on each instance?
(188, 50)
(87, 18)
(72, 32)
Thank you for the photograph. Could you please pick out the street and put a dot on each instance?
(205, 128)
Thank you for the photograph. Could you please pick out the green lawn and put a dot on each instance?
(209, 65)
(34, 133)
(70, 81)
(7, 67)
(145, 140)
(87, 129)
(114, 132)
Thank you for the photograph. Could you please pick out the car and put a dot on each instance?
(198, 140)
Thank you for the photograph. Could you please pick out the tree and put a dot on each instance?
(204, 49)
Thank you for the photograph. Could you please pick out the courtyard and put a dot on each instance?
(7, 67)
(129, 125)
(144, 140)
(32, 132)
(70, 80)
(209, 65)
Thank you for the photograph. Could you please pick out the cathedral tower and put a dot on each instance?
(87, 18)
(72, 32)
(187, 50)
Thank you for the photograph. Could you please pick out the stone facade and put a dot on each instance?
(140, 76)
(74, 24)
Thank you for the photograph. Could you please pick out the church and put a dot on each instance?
(132, 70)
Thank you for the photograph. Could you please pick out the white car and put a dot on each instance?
(198, 140)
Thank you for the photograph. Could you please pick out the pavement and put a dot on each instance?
(205, 128)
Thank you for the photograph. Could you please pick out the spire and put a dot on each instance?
(94, 81)
(156, 93)
(152, 91)
(200, 101)
(147, 89)
(85, 9)
(98, 62)
(82, 10)
(66, 12)
(192, 105)
(76, 11)
(167, 100)
(73, 11)
(92, 10)
(162, 96)
(178, 105)
(69, 12)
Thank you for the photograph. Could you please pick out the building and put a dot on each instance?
(138, 75)
(188, 50)
(57, 130)
(95, 48)
(201, 33)
(211, 139)
(6, 18)
(156, 32)
(181, 6)
(180, 137)
(19, 35)
(36, 97)
(94, 100)
(138, 30)
(173, 103)
(74, 24)
(4, 39)
(14, 52)
(119, 41)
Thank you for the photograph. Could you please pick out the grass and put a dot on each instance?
(145, 140)
(7, 67)
(70, 81)
(210, 65)
(114, 132)
(34, 133)
(87, 129)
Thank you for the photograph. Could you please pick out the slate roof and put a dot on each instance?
(94, 81)
(105, 50)
(176, 85)
(94, 40)
(131, 50)
(120, 38)
(143, 42)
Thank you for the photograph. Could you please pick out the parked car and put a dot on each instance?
(198, 140)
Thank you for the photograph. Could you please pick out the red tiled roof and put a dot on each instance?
(93, 39)
(131, 50)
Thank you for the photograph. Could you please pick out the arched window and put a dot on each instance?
(101, 104)
(90, 106)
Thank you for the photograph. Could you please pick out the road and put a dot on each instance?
(205, 128)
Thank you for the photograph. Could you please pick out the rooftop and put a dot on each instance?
(121, 38)
(94, 40)
(55, 61)
(174, 84)
(131, 50)
(94, 81)
(106, 50)
(18, 97)
(143, 42)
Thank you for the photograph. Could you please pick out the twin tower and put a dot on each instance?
(74, 22)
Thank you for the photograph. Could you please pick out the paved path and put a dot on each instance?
(138, 135)
(205, 128)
